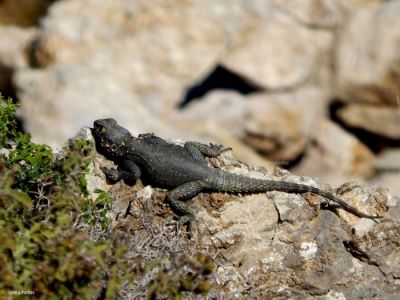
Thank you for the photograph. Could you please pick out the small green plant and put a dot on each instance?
(178, 277)
(95, 211)
(8, 123)
(41, 248)
(31, 163)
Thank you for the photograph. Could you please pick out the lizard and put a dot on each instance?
(183, 169)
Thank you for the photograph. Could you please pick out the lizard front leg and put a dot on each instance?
(178, 195)
(129, 171)
(198, 150)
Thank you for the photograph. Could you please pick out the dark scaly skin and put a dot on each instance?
(183, 169)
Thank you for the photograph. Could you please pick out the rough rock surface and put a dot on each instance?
(137, 61)
(276, 244)
(323, 14)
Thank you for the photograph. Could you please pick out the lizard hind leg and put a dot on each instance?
(198, 150)
(177, 197)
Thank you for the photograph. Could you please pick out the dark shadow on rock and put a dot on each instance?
(219, 78)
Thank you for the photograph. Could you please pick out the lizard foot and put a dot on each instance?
(111, 174)
(186, 220)
(186, 223)
(218, 149)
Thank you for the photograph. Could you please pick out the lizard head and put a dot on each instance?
(110, 137)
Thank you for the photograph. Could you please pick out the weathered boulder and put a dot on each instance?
(276, 125)
(336, 156)
(274, 244)
(136, 61)
(71, 101)
(368, 56)
(14, 44)
(275, 52)
(323, 14)
(380, 120)
(151, 53)
(388, 171)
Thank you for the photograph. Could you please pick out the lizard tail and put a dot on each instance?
(232, 183)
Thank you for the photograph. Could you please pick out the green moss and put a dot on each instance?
(95, 211)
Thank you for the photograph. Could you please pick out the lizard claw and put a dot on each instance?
(183, 222)
(219, 148)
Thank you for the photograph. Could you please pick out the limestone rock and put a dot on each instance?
(368, 56)
(321, 13)
(280, 125)
(97, 60)
(212, 131)
(389, 180)
(71, 101)
(388, 171)
(335, 154)
(274, 52)
(228, 109)
(388, 160)
(325, 14)
(380, 120)
(151, 53)
(14, 43)
(276, 125)
(277, 244)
